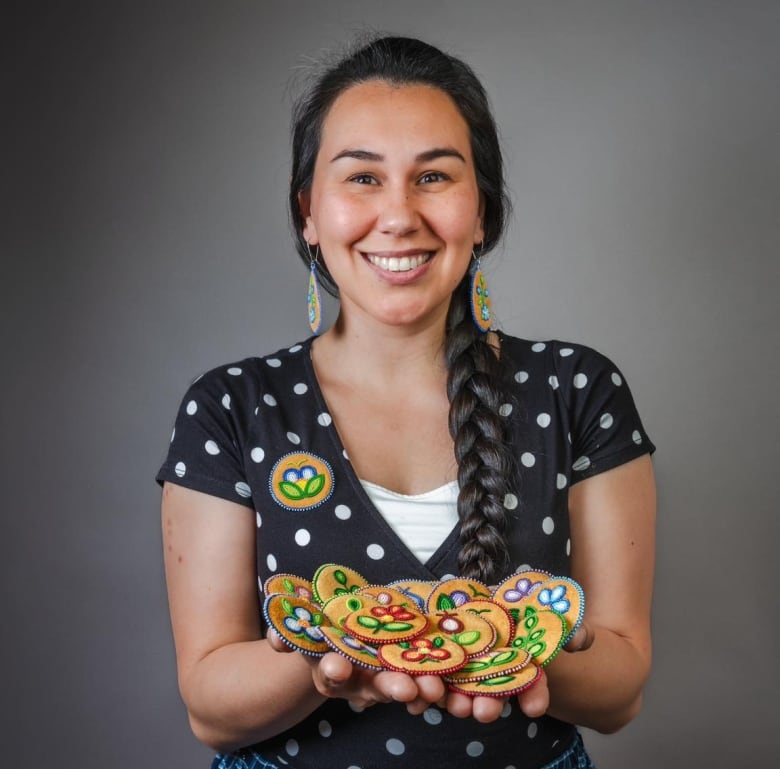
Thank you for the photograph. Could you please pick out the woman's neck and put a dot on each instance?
(370, 352)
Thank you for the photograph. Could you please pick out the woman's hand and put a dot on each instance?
(336, 677)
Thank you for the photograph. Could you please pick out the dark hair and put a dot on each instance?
(474, 370)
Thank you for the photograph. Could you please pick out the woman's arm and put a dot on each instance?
(237, 688)
(229, 678)
(612, 518)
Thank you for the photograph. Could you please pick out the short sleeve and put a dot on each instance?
(205, 451)
(606, 430)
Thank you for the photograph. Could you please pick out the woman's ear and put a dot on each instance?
(309, 228)
(479, 230)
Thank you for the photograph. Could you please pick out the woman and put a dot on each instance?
(500, 452)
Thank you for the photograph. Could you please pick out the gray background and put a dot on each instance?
(144, 163)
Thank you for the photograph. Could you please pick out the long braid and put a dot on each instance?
(481, 446)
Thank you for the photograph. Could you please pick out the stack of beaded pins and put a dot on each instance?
(483, 642)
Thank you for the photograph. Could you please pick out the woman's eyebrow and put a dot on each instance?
(439, 152)
(358, 155)
(423, 157)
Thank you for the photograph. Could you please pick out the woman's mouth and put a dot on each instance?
(399, 263)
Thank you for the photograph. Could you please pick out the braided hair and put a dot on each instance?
(475, 382)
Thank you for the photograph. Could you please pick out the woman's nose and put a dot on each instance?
(398, 214)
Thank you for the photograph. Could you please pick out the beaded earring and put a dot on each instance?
(481, 307)
(313, 298)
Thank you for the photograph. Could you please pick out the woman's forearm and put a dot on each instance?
(243, 693)
(600, 688)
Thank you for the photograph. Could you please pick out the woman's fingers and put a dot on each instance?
(487, 709)
(535, 700)
(276, 642)
(582, 639)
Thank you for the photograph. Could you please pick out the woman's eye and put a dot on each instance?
(432, 176)
(363, 179)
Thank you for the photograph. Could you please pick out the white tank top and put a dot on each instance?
(421, 521)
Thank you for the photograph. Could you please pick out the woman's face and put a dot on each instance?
(394, 204)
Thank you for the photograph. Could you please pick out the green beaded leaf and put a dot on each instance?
(504, 657)
(467, 638)
(290, 490)
(397, 627)
(314, 485)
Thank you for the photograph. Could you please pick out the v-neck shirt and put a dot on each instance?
(258, 432)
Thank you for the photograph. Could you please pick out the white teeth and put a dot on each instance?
(398, 264)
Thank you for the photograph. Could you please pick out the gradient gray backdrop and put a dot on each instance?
(144, 240)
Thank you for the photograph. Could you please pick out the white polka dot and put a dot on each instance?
(243, 490)
(375, 552)
(282, 760)
(580, 380)
(548, 525)
(565, 352)
(636, 437)
(538, 347)
(180, 469)
(553, 382)
(260, 585)
(432, 716)
(258, 519)
(510, 501)
(343, 513)
(173, 434)
(346, 456)
(475, 749)
(606, 421)
(355, 708)
(192, 408)
(528, 459)
(582, 463)
(447, 577)
(291, 747)
(302, 537)
(226, 401)
(270, 562)
(293, 438)
(505, 409)
(568, 546)
(234, 371)
(395, 747)
(354, 766)
(257, 454)
(511, 766)
(523, 567)
(300, 388)
(274, 362)
(616, 379)
(325, 729)
(532, 730)
(324, 419)
(521, 377)
(269, 400)
(211, 448)
(295, 348)
(561, 481)
(543, 420)
(507, 711)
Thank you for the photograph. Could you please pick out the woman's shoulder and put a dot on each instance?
(256, 370)
(553, 355)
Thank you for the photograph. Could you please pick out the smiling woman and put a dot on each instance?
(394, 204)
(508, 452)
